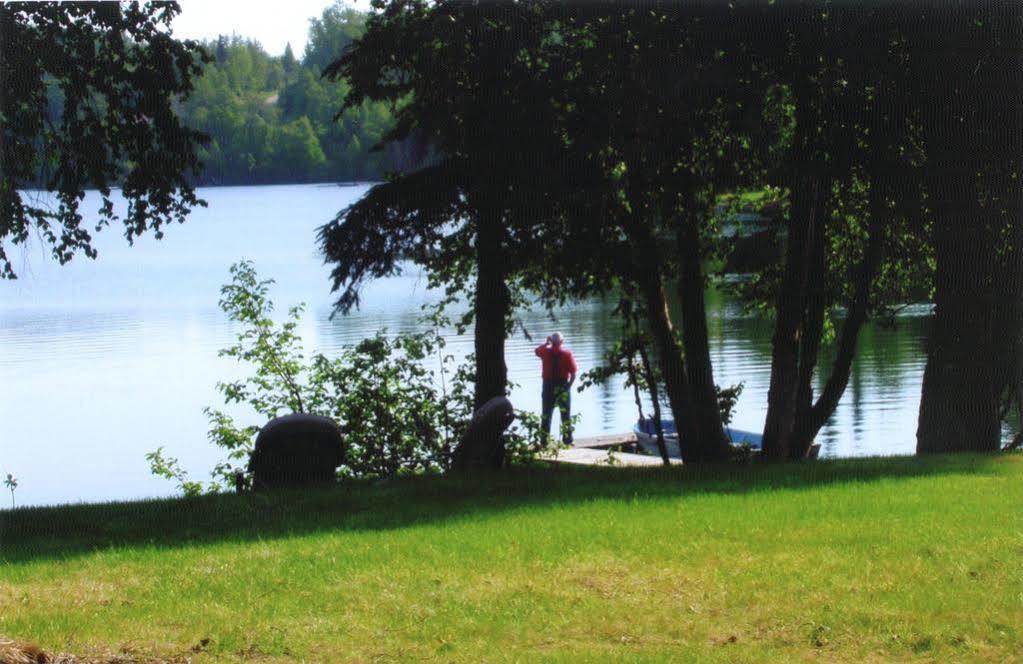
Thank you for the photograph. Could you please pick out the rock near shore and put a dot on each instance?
(295, 451)
(482, 445)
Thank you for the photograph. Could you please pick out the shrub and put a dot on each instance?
(397, 415)
(379, 391)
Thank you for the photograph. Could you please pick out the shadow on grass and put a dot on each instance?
(29, 534)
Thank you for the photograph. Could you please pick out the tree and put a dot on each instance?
(465, 84)
(562, 176)
(968, 56)
(221, 49)
(288, 59)
(297, 150)
(850, 169)
(617, 127)
(331, 34)
(119, 72)
(883, 181)
(646, 115)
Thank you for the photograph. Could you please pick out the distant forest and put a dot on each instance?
(272, 119)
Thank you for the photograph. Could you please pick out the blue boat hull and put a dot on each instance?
(646, 436)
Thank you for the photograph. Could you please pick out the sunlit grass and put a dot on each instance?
(872, 560)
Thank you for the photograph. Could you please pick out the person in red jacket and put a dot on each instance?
(559, 372)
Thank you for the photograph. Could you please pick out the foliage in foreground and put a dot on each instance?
(889, 559)
(88, 102)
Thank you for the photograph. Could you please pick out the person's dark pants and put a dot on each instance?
(557, 393)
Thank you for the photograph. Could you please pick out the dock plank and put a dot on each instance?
(588, 456)
(605, 440)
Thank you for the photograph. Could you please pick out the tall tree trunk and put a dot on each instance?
(809, 202)
(1015, 210)
(709, 442)
(655, 400)
(958, 405)
(662, 331)
(493, 303)
(669, 354)
(810, 422)
(1008, 349)
(811, 334)
(1009, 312)
(970, 64)
(1015, 297)
(810, 188)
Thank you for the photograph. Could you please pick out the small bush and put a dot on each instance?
(397, 415)
(380, 391)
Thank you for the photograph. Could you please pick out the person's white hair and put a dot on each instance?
(557, 338)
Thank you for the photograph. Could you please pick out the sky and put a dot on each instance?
(270, 22)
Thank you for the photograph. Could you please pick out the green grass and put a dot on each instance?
(866, 560)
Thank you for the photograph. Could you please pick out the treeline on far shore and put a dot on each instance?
(274, 119)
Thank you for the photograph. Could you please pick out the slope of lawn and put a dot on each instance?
(855, 560)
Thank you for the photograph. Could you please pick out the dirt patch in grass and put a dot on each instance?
(20, 652)
(24, 652)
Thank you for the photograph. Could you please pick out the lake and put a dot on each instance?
(106, 360)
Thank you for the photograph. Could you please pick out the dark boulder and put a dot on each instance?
(295, 451)
(482, 445)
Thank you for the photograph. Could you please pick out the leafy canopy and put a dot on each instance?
(89, 94)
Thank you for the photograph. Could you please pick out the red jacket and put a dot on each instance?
(558, 362)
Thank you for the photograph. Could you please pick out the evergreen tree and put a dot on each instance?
(221, 49)
(288, 59)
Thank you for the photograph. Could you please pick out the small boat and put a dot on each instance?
(646, 437)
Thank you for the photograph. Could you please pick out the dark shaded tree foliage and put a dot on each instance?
(646, 112)
(854, 207)
(907, 116)
(467, 86)
(553, 162)
(88, 94)
(582, 148)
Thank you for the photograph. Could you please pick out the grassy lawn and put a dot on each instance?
(865, 560)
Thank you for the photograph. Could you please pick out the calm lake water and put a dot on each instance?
(103, 361)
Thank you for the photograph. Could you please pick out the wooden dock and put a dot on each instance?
(605, 450)
(588, 456)
(619, 449)
(605, 441)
